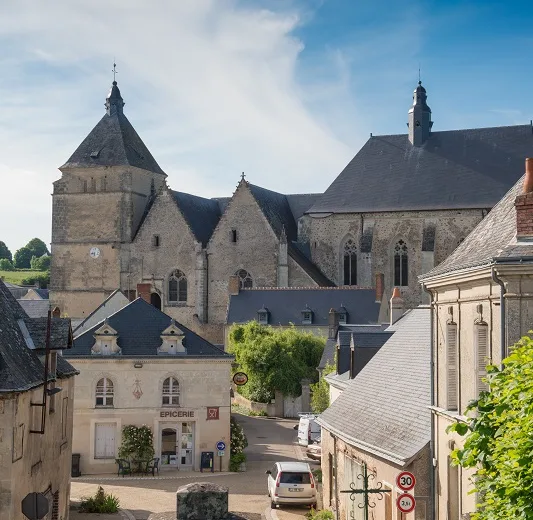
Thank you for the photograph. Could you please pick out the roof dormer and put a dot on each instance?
(263, 315)
(172, 341)
(343, 315)
(106, 341)
(307, 316)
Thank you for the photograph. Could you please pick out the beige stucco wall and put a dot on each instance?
(384, 471)
(43, 463)
(203, 383)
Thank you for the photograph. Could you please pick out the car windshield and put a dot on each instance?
(288, 477)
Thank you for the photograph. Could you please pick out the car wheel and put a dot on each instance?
(272, 505)
(313, 506)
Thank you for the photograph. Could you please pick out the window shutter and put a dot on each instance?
(452, 380)
(110, 442)
(104, 441)
(482, 354)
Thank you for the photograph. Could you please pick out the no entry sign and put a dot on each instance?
(406, 503)
(405, 481)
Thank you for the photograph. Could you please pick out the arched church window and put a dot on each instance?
(245, 279)
(350, 262)
(177, 287)
(401, 264)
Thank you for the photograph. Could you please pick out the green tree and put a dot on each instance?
(6, 265)
(37, 247)
(499, 440)
(320, 391)
(5, 252)
(42, 278)
(274, 359)
(40, 263)
(22, 259)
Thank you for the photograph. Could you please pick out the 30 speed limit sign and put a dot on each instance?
(406, 503)
(405, 481)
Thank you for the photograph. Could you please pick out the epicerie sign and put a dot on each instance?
(175, 413)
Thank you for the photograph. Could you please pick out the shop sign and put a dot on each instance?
(175, 413)
(213, 413)
(240, 378)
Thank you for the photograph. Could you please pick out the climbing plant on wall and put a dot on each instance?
(137, 443)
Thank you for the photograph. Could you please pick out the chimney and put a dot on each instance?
(143, 290)
(396, 306)
(524, 205)
(352, 358)
(56, 313)
(333, 323)
(380, 284)
(337, 358)
(234, 285)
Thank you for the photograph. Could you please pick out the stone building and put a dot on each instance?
(35, 417)
(139, 366)
(382, 420)
(399, 208)
(482, 303)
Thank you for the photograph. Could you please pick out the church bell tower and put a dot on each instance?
(419, 117)
(98, 204)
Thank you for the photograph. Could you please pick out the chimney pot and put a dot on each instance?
(396, 306)
(528, 180)
(333, 323)
(524, 204)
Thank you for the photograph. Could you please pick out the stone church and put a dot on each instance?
(400, 207)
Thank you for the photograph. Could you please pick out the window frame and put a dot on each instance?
(108, 393)
(349, 262)
(401, 264)
(179, 294)
(171, 394)
(246, 280)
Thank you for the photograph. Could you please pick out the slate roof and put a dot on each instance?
(139, 326)
(285, 304)
(494, 237)
(60, 332)
(453, 169)
(201, 214)
(385, 409)
(20, 367)
(35, 308)
(113, 142)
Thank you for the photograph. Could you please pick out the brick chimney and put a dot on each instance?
(144, 290)
(234, 285)
(352, 358)
(524, 205)
(380, 285)
(396, 306)
(333, 321)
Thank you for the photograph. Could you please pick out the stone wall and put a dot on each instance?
(31, 462)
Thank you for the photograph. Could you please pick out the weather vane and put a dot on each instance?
(114, 70)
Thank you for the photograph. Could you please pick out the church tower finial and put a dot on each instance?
(419, 117)
(114, 103)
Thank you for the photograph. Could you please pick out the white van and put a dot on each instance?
(308, 429)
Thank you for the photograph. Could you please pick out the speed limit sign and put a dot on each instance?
(405, 481)
(405, 503)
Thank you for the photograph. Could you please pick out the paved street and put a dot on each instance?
(270, 440)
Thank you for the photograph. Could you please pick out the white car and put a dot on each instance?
(291, 483)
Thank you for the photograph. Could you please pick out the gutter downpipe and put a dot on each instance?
(432, 401)
(503, 350)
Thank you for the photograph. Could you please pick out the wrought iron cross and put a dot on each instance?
(366, 491)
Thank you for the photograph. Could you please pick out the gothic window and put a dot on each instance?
(350, 263)
(245, 279)
(401, 264)
(171, 392)
(104, 392)
(177, 287)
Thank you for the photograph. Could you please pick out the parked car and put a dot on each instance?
(314, 451)
(291, 483)
(308, 429)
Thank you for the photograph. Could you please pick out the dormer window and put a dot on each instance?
(105, 343)
(262, 316)
(343, 319)
(172, 341)
(307, 316)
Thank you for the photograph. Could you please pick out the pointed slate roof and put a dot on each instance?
(453, 169)
(139, 326)
(385, 408)
(113, 142)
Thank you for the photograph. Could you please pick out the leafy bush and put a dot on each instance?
(137, 443)
(101, 502)
(325, 514)
(236, 460)
(6, 265)
(238, 443)
(320, 391)
(42, 278)
(40, 263)
(499, 444)
(259, 413)
(317, 473)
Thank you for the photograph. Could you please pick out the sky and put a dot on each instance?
(285, 90)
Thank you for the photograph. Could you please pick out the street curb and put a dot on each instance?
(271, 514)
(127, 515)
(126, 479)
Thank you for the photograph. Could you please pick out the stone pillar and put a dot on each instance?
(283, 261)
(306, 395)
(201, 284)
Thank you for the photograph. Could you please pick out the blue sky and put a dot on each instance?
(285, 90)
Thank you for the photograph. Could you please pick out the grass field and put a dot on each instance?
(16, 277)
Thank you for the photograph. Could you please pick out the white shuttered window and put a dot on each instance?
(452, 368)
(482, 356)
(104, 441)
